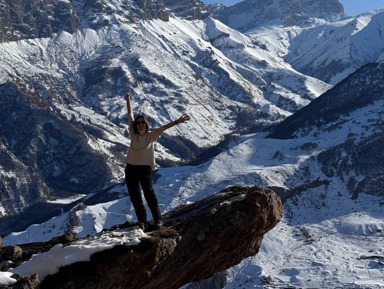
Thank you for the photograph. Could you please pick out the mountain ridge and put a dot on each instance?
(251, 14)
(335, 102)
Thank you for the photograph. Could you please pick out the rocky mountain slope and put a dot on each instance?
(316, 39)
(358, 160)
(340, 49)
(250, 14)
(362, 88)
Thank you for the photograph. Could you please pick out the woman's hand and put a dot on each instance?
(128, 96)
(183, 119)
(128, 102)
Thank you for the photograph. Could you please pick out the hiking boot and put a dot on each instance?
(143, 225)
(158, 224)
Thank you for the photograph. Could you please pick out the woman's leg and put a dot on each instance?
(149, 193)
(132, 179)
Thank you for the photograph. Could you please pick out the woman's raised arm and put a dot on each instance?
(128, 100)
(130, 113)
(181, 119)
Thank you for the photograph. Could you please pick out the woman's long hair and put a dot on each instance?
(135, 123)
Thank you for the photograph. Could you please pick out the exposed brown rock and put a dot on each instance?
(12, 252)
(197, 242)
(200, 240)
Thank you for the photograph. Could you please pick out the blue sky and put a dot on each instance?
(354, 7)
(351, 7)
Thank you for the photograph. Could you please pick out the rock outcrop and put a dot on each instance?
(38, 19)
(249, 14)
(35, 19)
(191, 9)
(197, 242)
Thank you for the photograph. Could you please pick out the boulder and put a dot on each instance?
(197, 241)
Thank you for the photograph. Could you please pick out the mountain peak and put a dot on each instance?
(249, 14)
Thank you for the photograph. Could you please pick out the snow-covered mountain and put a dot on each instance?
(317, 39)
(250, 14)
(63, 114)
(63, 125)
(330, 236)
(347, 47)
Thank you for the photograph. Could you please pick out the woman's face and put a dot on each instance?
(141, 125)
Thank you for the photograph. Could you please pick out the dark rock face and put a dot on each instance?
(358, 90)
(199, 241)
(252, 13)
(35, 19)
(190, 9)
(372, 184)
(46, 155)
(324, 8)
(38, 19)
(352, 159)
(152, 9)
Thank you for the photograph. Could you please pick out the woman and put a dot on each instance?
(140, 161)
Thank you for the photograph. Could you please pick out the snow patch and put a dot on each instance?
(3, 77)
(5, 279)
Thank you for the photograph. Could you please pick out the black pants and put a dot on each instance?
(134, 177)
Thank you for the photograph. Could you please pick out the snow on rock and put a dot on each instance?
(6, 279)
(49, 263)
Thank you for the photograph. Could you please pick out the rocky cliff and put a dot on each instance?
(38, 19)
(197, 242)
(249, 14)
(35, 19)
